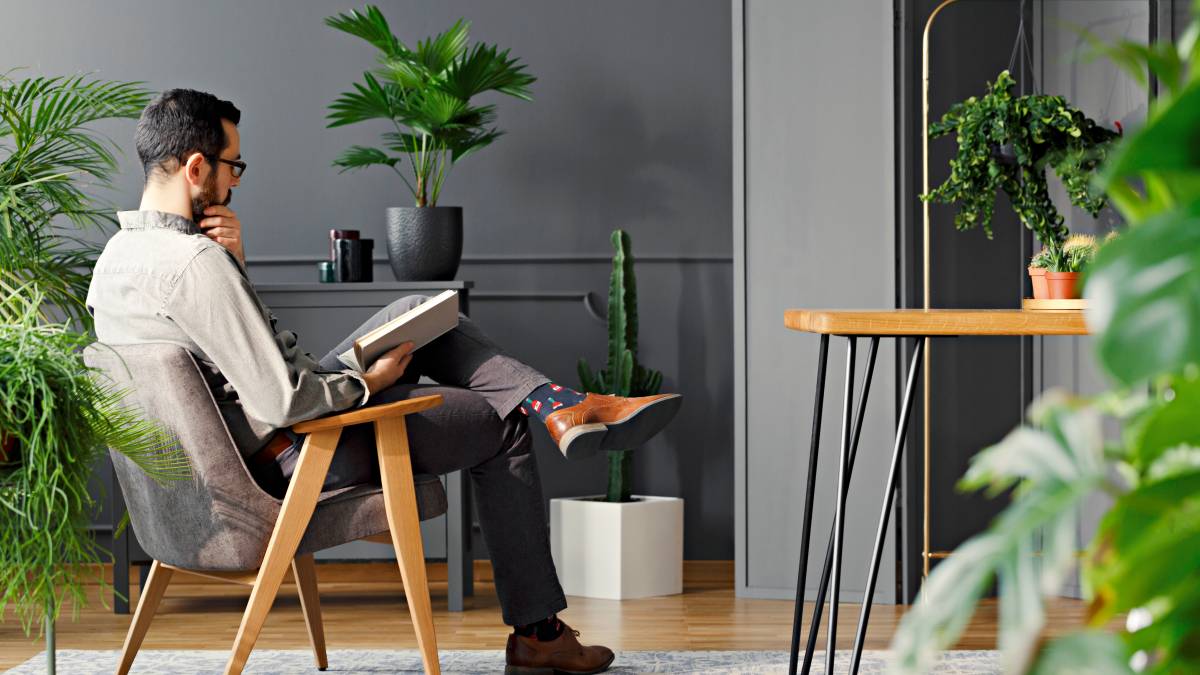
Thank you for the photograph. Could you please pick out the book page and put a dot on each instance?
(420, 325)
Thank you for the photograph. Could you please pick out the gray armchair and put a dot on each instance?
(222, 524)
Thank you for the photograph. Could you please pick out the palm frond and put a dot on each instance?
(438, 53)
(367, 102)
(358, 157)
(486, 68)
(371, 26)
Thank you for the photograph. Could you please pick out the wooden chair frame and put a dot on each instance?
(400, 505)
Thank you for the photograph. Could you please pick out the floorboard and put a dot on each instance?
(363, 607)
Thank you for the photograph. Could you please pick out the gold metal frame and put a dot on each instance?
(926, 554)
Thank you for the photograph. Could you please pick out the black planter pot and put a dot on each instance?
(424, 243)
(1005, 154)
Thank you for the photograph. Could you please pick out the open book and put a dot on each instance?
(419, 325)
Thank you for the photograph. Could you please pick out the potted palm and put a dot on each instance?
(619, 545)
(425, 94)
(1007, 143)
(55, 420)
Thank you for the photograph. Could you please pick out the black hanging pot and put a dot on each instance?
(1005, 154)
(424, 243)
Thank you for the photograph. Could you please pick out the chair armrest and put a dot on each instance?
(369, 414)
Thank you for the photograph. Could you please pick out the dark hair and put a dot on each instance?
(178, 123)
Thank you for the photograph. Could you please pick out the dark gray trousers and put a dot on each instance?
(477, 428)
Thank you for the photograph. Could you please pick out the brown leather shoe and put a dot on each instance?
(562, 656)
(602, 422)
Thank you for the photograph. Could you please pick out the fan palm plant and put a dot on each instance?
(51, 165)
(56, 420)
(426, 94)
(1145, 556)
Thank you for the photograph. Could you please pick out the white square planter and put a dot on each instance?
(618, 551)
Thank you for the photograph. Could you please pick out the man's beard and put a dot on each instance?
(207, 198)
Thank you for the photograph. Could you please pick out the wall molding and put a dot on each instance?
(540, 259)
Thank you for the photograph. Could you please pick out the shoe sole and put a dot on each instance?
(642, 424)
(582, 440)
(626, 433)
(524, 670)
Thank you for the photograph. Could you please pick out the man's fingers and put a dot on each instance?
(221, 232)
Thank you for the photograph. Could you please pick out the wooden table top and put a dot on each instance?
(944, 322)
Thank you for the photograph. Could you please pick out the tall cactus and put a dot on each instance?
(624, 376)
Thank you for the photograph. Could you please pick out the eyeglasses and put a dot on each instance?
(237, 167)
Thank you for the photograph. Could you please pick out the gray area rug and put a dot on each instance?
(462, 662)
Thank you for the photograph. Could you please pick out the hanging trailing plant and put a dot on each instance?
(1007, 142)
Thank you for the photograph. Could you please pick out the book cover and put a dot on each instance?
(420, 325)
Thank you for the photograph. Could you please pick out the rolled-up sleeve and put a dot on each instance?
(277, 382)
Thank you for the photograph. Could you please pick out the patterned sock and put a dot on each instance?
(550, 398)
(546, 630)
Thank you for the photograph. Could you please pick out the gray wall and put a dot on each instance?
(814, 202)
(629, 128)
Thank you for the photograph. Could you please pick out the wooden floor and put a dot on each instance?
(363, 607)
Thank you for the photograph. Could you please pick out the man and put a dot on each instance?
(175, 272)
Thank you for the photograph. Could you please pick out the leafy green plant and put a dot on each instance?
(623, 376)
(48, 158)
(1144, 557)
(426, 94)
(1040, 132)
(61, 419)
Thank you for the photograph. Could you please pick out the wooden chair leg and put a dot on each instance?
(294, 514)
(151, 594)
(305, 572)
(400, 503)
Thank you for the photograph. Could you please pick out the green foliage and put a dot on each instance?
(1041, 259)
(48, 157)
(1042, 132)
(1073, 256)
(62, 420)
(624, 376)
(1143, 289)
(426, 94)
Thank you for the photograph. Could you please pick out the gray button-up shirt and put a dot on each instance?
(160, 279)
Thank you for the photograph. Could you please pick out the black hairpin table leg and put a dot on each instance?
(823, 585)
(890, 490)
(806, 526)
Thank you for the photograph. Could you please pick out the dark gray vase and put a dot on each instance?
(424, 243)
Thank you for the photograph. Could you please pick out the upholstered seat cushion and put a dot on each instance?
(220, 519)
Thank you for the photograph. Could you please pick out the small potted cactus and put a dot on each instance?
(1038, 265)
(1065, 264)
(619, 545)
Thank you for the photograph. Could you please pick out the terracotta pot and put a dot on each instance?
(1038, 276)
(1063, 285)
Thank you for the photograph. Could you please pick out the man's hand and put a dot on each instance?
(388, 368)
(221, 225)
